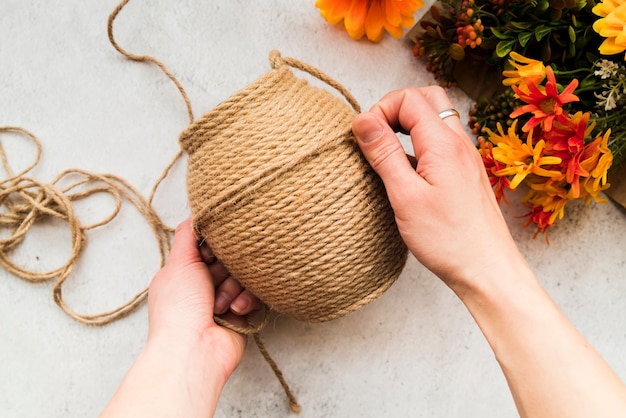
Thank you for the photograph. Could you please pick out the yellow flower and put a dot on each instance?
(547, 202)
(370, 17)
(521, 159)
(605, 162)
(599, 159)
(550, 196)
(611, 25)
(525, 68)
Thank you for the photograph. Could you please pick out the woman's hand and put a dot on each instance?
(445, 208)
(448, 216)
(182, 301)
(188, 357)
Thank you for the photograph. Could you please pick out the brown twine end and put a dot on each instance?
(293, 402)
(295, 407)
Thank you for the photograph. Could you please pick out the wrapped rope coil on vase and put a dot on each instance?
(280, 191)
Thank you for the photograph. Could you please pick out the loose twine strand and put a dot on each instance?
(27, 201)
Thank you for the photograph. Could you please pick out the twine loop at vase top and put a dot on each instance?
(277, 61)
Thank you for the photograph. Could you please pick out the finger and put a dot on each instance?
(225, 294)
(414, 110)
(185, 246)
(245, 303)
(206, 252)
(219, 273)
(382, 149)
(440, 101)
(234, 319)
(412, 160)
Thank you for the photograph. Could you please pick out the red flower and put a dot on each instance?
(567, 141)
(568, 136)
(542, 218)
(499, 183)
(544, 105)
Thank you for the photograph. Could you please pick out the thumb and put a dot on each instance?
(382, 149)
(185, 246)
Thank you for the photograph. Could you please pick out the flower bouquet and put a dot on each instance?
(557, 122)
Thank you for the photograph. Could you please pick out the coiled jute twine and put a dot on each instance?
(281, 194)
(278, 190)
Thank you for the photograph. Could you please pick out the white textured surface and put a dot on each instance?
(414, 352)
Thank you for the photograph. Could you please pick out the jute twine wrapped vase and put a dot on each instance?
(281, 193)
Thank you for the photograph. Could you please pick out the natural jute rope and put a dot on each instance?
(281, 193)
(26, 201)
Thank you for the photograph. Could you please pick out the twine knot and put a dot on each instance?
(276, 59)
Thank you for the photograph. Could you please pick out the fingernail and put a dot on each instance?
(221, 303)
(240, 305)
(367, 128)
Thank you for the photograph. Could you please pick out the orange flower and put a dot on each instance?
(533, 163)
(370, 17)
(545, 106)
(544, 219)
(567, 136)
(611, 25)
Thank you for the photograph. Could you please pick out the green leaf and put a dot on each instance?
(499, 34)
(541, 31)
(504, 47)
(572, 34)
(524, 37)
(587, 82)
(591, 57)
(571, 50)
(521, 25)
(546, 52)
